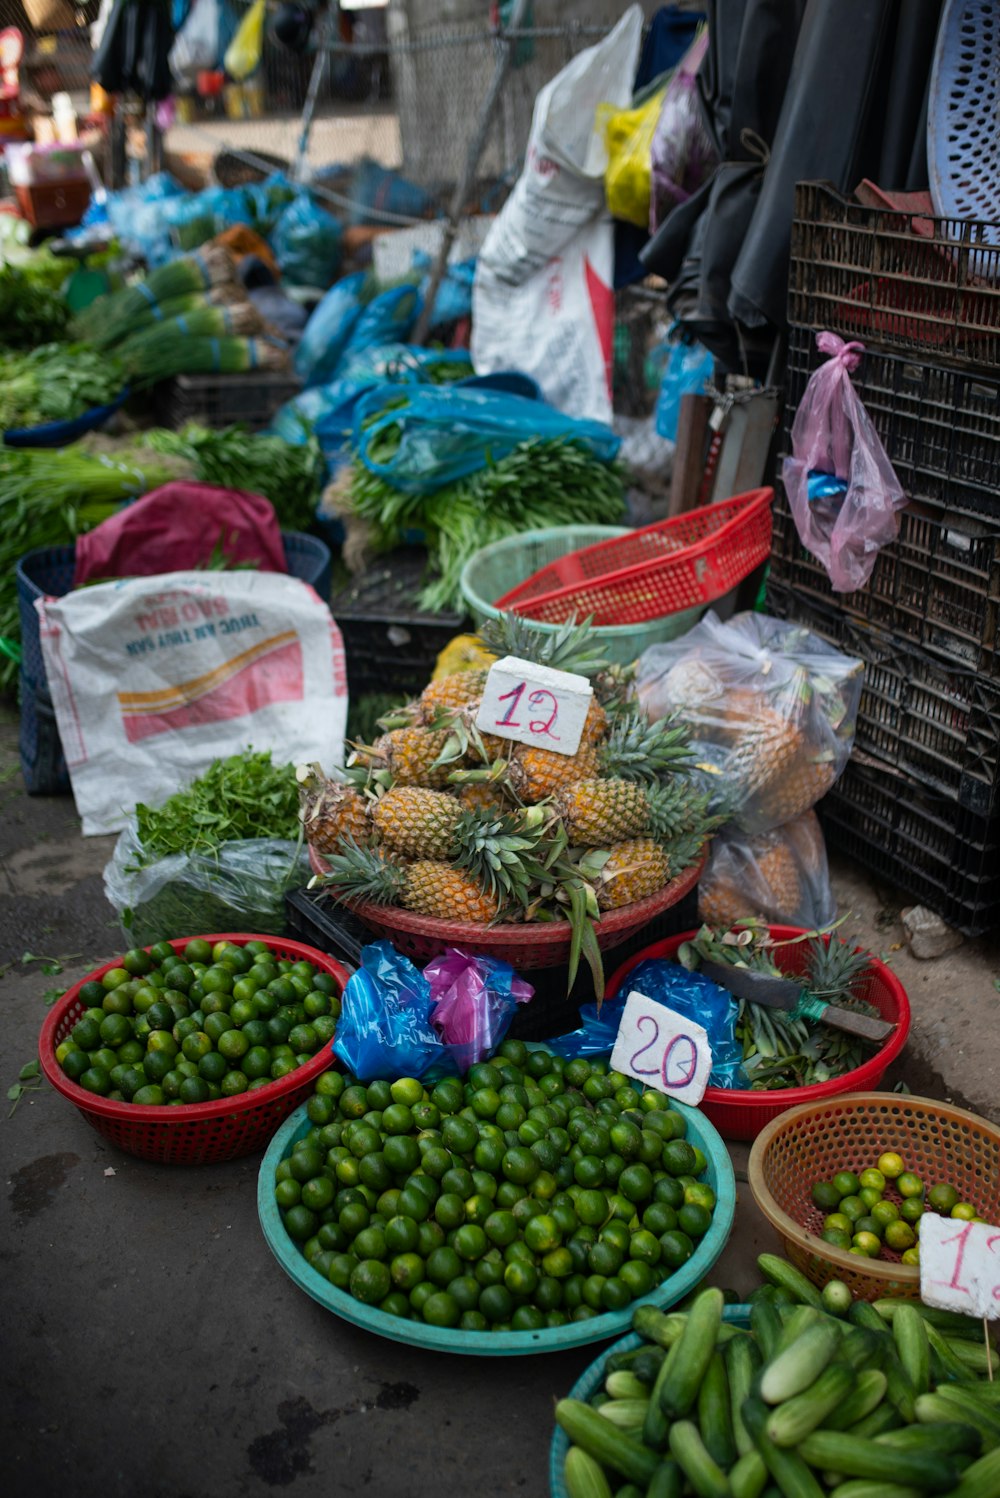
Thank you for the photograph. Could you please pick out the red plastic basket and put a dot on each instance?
(673, 565)
(532, 945)
(195, 1133)
(741, 1114)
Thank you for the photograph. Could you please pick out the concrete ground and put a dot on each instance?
(153, 1345)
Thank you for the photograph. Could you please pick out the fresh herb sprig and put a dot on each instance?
(244, 796)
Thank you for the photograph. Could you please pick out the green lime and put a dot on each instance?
(852, 1207)
(836, 1237)
(847, 1183)
(825, 1196)
(912, 1209)
(909, 1185)
(370, 1281)
(941, 1198)
(149, 1096)
(965, 1212)
(868, 1242)
(675, 1248)
(694, 1220)
(899, 1236)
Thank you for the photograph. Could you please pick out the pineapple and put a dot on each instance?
(416, 823)
(409, 754)
(636, 749)
(720, 904)
(634, 869)
(535, 774)
(763, 753)
(568, 648)
(482, 797)
(330, 810)
(427, 886)
(780, 873)
(462, 653)
(799, 786)
(452, 693)
(597, 812)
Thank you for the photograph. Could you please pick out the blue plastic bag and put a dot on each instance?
(688, 993)
(306, 241)
(385, 1028)
(454, 295)
(447, 434)
(375, 187)
(328, 331)
(688, 369)
(388, 318)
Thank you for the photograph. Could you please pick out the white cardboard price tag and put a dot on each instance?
(535, 705)
(662, 1049)
(960, 1266)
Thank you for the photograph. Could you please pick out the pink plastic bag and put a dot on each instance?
(843, 491)
(473, 1002)
(179, 527)
(682, 154)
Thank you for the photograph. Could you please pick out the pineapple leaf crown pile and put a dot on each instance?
(464, 826)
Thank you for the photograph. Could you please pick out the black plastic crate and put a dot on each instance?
(925, 844)
(312, 917)
(390, 644)
(222, 400)
(927, 286)
(920, 713)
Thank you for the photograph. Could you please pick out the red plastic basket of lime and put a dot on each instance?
(741, 1114)
(446, 1236)
(142, 1019)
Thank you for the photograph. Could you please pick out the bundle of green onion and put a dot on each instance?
(112, 318)
(161, 354)
(203, 320)
(56, 382)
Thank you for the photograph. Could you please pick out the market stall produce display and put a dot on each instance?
(56, 382)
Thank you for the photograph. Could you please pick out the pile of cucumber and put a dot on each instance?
(892, 1401)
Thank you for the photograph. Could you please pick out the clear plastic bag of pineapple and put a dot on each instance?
(771, 707)
(441, 820)
(780, 876)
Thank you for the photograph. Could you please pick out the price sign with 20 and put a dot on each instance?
(534, 705)
(960, 1266)
(662, 1049)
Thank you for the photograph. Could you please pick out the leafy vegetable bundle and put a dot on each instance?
(31, 311)
(244, 796)
(540, 484)
(56, 382)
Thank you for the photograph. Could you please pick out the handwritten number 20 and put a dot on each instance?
(689, 1065)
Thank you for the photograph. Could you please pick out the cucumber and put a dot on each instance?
(867, 1395)
(624, 1385)
(667, 1481)
(862, 1314)
(854, 1457)
(975, 1355)
(899, 1388)
(794, 1369)
(656, 1326)
(604, 1442)
(947, 1404)
(689, 1452)
(982, 1479)
(656, 1426)
(765, 1323)
(742, 1362)
(863, 1487)
(748, 1478)
(694, 1353)
(797, 1416)
(950, 1369)
(647, 1364)
(715, 1419)
(584, 1476)
(627, 1414)
(947, 1437)
(798, 1320)
(779, 1272)
(860, 1347)
(914, 1350)
(886, 1417)
(953, 1323)
(787, 1468)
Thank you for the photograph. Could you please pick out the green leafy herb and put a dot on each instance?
(56, 382)
(31, 312)
(244, 796)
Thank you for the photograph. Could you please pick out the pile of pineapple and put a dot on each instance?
(447, 822)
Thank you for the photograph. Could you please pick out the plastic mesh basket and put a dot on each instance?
(642, 575)
(194, 1133)
(963, 115)
(739, 1114)
(812, 1143)
(497, 568)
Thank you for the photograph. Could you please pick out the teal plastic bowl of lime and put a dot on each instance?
(497, 568)
(590, 1381)
(718, 1173)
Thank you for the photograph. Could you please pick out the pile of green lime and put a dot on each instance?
(881, 1207)
(164, 1027)
(533, 1192)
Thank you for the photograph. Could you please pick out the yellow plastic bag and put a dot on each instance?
(629, 137)
(244, 51)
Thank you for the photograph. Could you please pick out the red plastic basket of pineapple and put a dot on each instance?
(441, 836)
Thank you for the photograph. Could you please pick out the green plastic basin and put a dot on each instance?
(719, 1174)
(497, 568)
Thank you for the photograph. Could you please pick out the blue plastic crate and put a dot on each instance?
(48, 573)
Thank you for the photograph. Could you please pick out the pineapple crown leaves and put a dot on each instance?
(498, 850)
(364, 873)
(571, 647)
(676, 807)
(636, 749)
(834, 968)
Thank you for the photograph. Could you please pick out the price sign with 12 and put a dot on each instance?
(662, 1049)
(534, 705)
(960, 1266)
